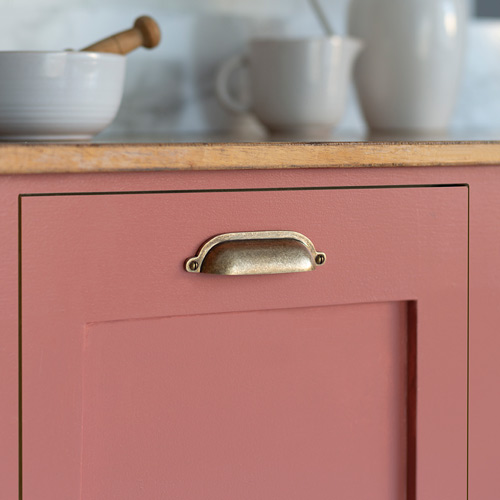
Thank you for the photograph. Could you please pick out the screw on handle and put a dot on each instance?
(145, 33)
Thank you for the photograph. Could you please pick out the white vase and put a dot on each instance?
(408, 76)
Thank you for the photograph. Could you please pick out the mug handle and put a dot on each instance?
(222, 84)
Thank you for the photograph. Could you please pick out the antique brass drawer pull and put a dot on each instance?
(261, 252)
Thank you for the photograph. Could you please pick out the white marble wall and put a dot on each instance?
(170, 90)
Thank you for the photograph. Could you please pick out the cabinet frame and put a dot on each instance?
(22, 197)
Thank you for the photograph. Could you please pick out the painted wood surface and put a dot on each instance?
(291, 403)
(484, 272)
(88, 260)
(64, 158)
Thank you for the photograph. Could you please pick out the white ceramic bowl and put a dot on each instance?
(61, 96)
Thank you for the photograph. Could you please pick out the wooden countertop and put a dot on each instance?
(217, 153)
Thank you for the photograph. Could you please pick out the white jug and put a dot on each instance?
(298, 86)
(409, 73)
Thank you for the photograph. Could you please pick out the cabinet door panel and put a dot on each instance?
(290, 404)
(101, 274)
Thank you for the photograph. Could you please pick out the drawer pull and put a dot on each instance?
(261, 252)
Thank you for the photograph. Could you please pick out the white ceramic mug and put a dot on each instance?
(297, 86)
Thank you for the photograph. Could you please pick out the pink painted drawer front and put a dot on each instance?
(140, 380)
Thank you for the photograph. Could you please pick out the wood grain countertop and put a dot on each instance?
(219, 153)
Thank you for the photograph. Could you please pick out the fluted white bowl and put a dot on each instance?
(47, 96)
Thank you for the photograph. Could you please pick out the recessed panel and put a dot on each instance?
(284, 405)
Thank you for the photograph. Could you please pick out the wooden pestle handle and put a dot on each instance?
(145, 33)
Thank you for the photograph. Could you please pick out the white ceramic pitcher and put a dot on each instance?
(297, 86)
(408, 75)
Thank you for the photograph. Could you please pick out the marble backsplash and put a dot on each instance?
(170, 90)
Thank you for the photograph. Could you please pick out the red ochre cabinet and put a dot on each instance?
(126, 377)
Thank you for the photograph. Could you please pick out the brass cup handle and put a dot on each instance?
(259, 252)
